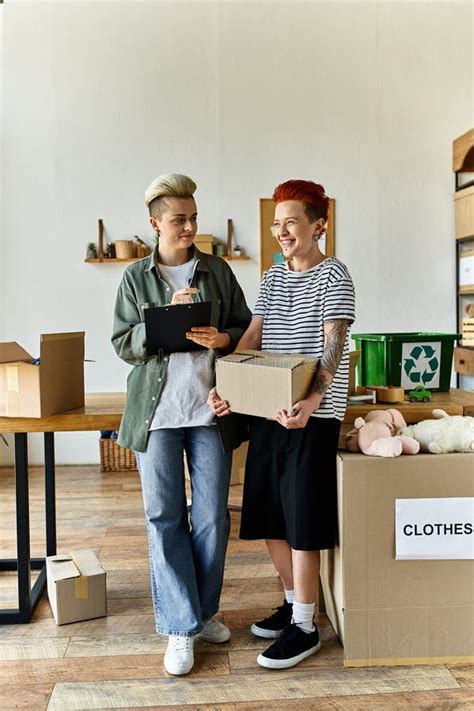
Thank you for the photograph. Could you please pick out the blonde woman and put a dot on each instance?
(166, 415)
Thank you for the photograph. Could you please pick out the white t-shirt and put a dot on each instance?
(294, 306)
(183, 399)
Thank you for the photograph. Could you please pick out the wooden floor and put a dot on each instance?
(117, 661)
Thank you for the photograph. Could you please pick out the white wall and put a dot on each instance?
(100, 97)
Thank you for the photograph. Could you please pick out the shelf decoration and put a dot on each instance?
(129, 251)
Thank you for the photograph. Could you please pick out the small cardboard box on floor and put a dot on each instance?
(388, 611)
(56, 385)
(261, 383)
(76, 586)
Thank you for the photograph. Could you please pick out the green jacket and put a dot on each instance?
(143, 287)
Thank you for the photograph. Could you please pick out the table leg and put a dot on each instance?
(27, 598)
(50, 493)
(23, 526)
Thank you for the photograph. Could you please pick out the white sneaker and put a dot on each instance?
(214, 631)
(179, 657)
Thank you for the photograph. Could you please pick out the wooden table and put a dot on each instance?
(103, 411)
(455, 402)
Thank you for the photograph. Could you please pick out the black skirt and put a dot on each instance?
(290, 490)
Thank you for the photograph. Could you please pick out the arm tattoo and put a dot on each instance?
(322, 381)
(332, 354)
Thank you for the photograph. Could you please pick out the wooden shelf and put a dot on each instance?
(243, 257)
(114, 259)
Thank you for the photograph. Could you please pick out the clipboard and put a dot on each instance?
(166, 326)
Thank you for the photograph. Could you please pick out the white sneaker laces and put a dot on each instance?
(181, 643)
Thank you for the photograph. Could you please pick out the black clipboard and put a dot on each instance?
(166, 326)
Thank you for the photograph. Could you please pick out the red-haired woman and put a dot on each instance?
(305, 305)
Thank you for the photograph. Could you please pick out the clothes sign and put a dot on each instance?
(429, 529)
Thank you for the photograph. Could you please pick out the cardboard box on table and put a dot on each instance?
(28, 390)
(261, 383)
(76, 586)
(388, 611)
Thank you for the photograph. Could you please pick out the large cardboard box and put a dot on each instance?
(76, 586)
(261, 383)
(56, 385)
(388, 611)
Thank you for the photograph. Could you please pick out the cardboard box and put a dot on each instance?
(76, 586)
(204, 243)
(261, 383)
(28, 390)
(396, 612)
(464, 360)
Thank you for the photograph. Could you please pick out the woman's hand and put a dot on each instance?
(219, 407)
(184, 296)
(297, 417)
(209, 337)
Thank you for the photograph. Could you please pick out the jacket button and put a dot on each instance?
(165, 358)
(147, 422)
(159, 380)
(153, 398)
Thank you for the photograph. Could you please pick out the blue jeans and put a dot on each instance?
(186, 562)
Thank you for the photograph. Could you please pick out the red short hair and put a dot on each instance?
(312, 195)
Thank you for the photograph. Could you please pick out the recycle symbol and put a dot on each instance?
(422, 364)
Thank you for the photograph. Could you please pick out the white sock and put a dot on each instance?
(303, 613)
(290, 595)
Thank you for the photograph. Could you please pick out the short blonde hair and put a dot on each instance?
(167, 185)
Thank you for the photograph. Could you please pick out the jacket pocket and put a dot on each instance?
(218, 310)
(147, 305)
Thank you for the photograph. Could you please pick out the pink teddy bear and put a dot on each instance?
(377, 435)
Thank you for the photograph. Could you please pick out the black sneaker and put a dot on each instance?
(290, 649)
(272, 627)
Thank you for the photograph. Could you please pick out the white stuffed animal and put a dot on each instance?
(444, 434)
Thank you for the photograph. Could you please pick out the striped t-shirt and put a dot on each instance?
(294, 306)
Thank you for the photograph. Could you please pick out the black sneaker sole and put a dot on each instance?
(266, 634)
(269, 663)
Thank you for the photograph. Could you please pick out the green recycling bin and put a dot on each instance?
(405, 359)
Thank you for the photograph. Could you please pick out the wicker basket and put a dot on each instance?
(114, 458)
(124, 249)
